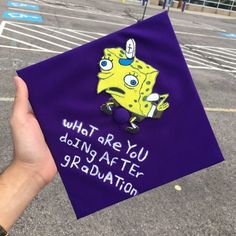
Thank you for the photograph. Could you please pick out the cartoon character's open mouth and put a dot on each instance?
(115, 90)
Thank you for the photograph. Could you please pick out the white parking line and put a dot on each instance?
(40, 39)
(200, 59)
(231, 49)
(212, 109)
(6, 99)
(68, 35)
(29, 49)
(232, 55)
(33, 29)
(196, 55)
(205, 49)
(208, 63)
(86, 32)
(57, 28)
(197, 62)
(48, 35)
(196, 27)
(69, 17)
(83, 34)
(216, 56)
(204, 35)
(198, 67)
(212, 56)
(219, 109)
(2, 25)
(20, 41)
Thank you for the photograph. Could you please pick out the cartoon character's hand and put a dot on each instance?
(162, 105)
(153, 97)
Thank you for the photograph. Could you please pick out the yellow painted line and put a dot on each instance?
(219, 109)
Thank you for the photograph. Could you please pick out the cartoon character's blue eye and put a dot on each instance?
(131, 80)
(103, 63)
(106, 64)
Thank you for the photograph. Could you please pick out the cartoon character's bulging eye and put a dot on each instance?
(105, 64)
(131, 80)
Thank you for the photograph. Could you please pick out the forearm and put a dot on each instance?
(18, 186)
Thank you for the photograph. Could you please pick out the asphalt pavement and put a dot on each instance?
(203, 203)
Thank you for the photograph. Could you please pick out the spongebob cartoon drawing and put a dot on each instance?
(130, 82)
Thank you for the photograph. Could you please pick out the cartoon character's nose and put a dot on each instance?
(126, 61)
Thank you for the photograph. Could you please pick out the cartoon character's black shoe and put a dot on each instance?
(132, 129)
(106, 109)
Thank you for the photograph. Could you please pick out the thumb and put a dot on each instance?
(21, 103)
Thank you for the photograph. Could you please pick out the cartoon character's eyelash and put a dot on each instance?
(107, 58)
(134, 74)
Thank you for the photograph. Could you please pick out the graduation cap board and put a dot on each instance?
(121, 115)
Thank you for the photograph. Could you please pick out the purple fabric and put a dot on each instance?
(180, 143)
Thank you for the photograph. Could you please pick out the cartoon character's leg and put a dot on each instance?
(107, 107)
(133, 129)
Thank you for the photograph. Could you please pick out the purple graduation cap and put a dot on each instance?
(121, 115)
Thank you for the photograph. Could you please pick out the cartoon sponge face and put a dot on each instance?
(129, 81)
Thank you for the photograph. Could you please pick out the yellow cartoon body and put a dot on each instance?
(130, 82)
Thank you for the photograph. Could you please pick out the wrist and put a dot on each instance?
(18, 186)
(29, 173)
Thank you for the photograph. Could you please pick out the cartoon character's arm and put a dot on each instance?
(107, 106)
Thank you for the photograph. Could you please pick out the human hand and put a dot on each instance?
(33, 166)
(30, 149)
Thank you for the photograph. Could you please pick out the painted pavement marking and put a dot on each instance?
(60, 36)
(213, 58)
(209, 109)
(23, 5)
(203, 35)
(197, 56)
(29, 49)
(12, 15)
(49, 35)
(6, 99)
(2, 25)
(229, 35)
(40, 39)
(28, 44)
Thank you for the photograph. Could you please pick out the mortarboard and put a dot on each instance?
(121, 115)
